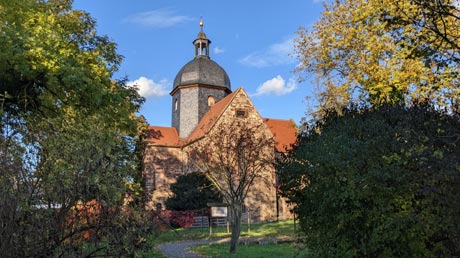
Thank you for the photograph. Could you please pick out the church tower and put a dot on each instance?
(198, 85)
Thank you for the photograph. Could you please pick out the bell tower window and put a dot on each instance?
(211, 101)
(176, 105)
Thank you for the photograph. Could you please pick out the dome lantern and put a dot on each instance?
(201, 42)
(201, 69)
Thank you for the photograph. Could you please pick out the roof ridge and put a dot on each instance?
(226, 105)
(162, 126)
(278, 119)
(209, 119)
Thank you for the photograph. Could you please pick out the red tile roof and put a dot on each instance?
(163, 136)
(211, 117)
(284, 131)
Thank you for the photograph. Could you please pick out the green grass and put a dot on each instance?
(247, 251)
(150, 254)
(271, 229)
(281, 228)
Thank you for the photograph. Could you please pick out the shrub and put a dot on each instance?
(181, 219)
(192, 192)
(378, 183)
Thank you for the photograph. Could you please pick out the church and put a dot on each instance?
(201, 96)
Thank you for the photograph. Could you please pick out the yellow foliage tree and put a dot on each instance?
(383, 52)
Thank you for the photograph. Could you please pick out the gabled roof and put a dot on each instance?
(163, 136)
(210, 118)
(284, 132)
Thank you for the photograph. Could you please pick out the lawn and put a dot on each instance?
(281, 228)
(271, 229)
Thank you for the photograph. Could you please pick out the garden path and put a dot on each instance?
(180, 249)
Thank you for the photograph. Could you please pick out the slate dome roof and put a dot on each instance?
(202, 70)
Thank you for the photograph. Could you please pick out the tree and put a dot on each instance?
(379, 182)
(438, 20)
(68, 135)
(383, 52)
(234, 155)
(192, 192)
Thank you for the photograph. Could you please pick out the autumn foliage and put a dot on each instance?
(383, 52)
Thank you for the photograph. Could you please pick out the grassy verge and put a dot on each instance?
(150, 254)
(281, 228)
(271, 229)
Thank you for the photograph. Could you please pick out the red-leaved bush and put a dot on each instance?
(182, 219)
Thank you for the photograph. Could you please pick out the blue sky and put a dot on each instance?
(251, 40)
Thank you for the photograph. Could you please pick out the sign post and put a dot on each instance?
(218, 210)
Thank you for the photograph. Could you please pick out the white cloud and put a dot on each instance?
(276, 54)
(276, 85)
(147, 87)
(218, 50)
(159, 18)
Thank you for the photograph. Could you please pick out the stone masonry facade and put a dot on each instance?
(190, 104)
(163, 164)
(202, 101)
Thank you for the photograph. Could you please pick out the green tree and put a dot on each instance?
(378, 182)
(383, 52)
(192, 192)
(68, 136)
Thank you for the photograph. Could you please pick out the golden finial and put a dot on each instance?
(201, 23)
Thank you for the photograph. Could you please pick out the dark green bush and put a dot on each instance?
(378, 183)
(192, 192)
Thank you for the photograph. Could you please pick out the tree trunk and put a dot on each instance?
(236, 210)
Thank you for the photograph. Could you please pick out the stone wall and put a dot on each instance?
(203, 95)
(175, 115)
(261, 199)
(162, 166)
(192, 106)
(186, 118)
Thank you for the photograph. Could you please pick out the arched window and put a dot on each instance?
(211, 101)
(176, 105)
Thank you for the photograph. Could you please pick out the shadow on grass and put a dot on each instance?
(270, 229)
